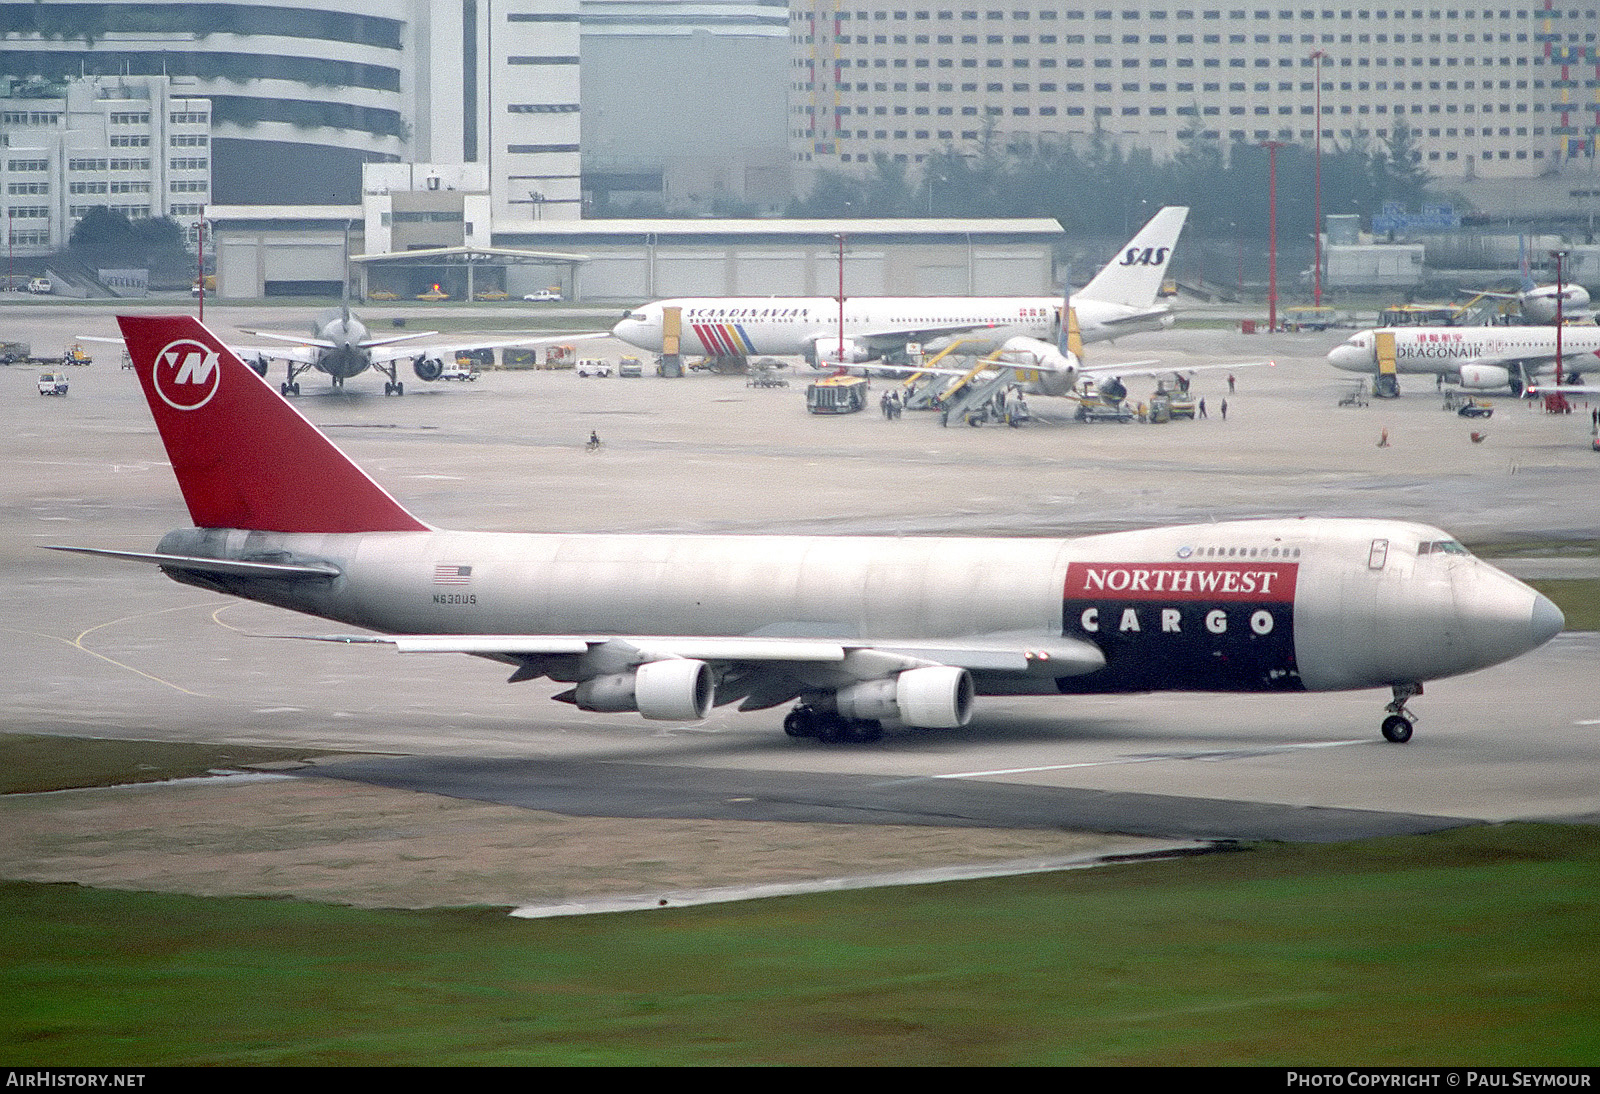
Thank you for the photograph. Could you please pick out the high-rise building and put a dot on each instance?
(301, 96)
(1484, 92)
(139, 145)
(684, 106)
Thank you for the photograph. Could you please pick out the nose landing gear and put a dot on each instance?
(1398, 726)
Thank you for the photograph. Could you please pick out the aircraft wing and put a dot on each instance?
(1534, 391)
(1138, 368)
(896, 338)
(760, 670)
(304, 354)
(387, 353)
(296, 339)
(1135, 318)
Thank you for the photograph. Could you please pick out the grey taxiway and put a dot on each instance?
(101, 649)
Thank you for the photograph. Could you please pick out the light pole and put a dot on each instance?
(1316, 228)
(1561, 291)
(840, 238)
(1272, 231)
(200, 262)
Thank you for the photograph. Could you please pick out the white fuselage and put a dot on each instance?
(1539, 305)
(798, 326)
(1244, 606)
(1446, 350)
(347, 356)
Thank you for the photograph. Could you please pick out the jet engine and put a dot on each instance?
(428, 368)
(675, 690)
(259, 364)
(936, 697)
(1111, 390)
(1484, 377)
(825, 351)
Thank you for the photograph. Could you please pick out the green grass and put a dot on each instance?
(30, 763)
(1473, 946)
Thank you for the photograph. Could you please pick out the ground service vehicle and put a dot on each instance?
(837, 395)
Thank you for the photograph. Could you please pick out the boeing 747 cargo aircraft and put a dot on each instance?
(855, 631)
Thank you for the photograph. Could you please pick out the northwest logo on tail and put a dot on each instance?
(186, 375)
(1145, 256)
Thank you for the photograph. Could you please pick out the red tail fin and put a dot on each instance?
(244, 457)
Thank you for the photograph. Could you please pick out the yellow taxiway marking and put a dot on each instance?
(77, 643)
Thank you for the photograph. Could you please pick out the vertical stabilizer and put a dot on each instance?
(243, 456)
(1134, 277)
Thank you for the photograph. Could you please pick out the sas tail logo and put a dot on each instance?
(186, 375)
(1145, 256)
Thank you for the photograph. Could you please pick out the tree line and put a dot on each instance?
(1103, 189)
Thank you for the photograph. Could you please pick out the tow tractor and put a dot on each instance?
(1105, 400)
(20, 353)
(1104, 412)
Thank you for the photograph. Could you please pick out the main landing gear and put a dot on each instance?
(804, 721)
(1397, 727)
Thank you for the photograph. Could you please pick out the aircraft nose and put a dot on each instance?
(1504, 618)
(1547, 620)
(1348, 357)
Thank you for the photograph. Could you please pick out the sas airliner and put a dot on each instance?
(854, 631)
(1121, 299)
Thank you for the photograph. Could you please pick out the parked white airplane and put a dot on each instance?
(1479, 358)
(1121, 299)
(859, 630)
(341, 346)
(1537, 303)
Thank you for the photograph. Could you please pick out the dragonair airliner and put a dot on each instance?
(855, 631)
(1480, 358)
(1123, 298)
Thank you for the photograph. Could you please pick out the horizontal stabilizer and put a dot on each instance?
(213, 565)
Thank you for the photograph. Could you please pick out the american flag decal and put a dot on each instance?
(452, 575)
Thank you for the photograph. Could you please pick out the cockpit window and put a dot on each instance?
(1442, 547)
